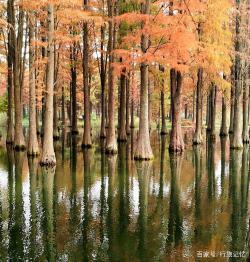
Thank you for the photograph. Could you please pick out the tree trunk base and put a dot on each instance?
(33, 154)
(198, 139)
(49, 161)
(245, 139)
(86, 145)
(164, 132)
(56, 137)
(19, 147)
(212, 137)
(122, 139)
(102, 136)
(111, 151)
(74, 132)
(223, 133)
(143, 153)
(178, 149)
(9, 142)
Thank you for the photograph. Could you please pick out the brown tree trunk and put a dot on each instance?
(127, 104)
(48, 155)
(176, 144)
(10, 56)
(163, 114)
(19, 137)
(245, 134)
(74, 128)
(103, 84)
(213, 111)
(111, 144)
(198, 139)
(33, 149)
(223, 129)
(143, 150)
(87, 122)
(55, 100)
(232, 104)
(122, 135)
(63, 108)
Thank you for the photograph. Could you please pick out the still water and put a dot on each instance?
(92, 207)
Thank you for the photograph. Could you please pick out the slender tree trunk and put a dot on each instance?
(48, 155)
(176, 141)
(223, 129)
(103, 84)
(236, 142)
(213, 112)
(198, 139)
(163, 114)
(87, 122)
(33, 148)
(55, 100)
(232, 104)
(149, 103)
(74, 128)
(19, 137)
(245, 133)
(127, 103)
(111, 144)
(122, 135)
(194, 98)
(143, 150)
(10, 55)
(63, 108)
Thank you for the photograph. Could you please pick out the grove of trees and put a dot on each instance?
(130, 63)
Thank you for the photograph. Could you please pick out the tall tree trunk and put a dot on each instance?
(33, 149)
(103, 84)
(87, 122)
(48, 155)
(143, 150)
(10, 56)
(232, 104)
(122, 135)
(245, 134)
(127, 104)
(176, 141)
(63, 108)
(19, 137)
(111, 144)
(236, 142)
(55, 100)
(163, 114)
(213, 111)
(74, 128)
(223, 129)
(198, 139)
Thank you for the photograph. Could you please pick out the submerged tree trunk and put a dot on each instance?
(48, 155)
(33, 149)
(198, 139)
(176, 141)
(245, 134)
(87, 122)
(143, 150)
(223, 129)
(122, 135)
(10, 56)
(111, 144)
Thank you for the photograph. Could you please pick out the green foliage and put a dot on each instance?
(3, 103)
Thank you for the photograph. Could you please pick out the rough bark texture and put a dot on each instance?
(245, 133)
(87, 123)
(33, 148)
(198, 139)
(122, 134)
(111, 144)
(223, 129)
(48, 155)
(176, 144)
(10, 55)
(143, 149)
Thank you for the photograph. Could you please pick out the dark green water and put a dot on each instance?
(98, 208)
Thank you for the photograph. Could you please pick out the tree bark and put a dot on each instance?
(143, 150)
(33, 149)
(223, 129)
(10, 55)
(122, 135)
(213, 111)
(19, 137)
(55, 100)
(103, 84)
(48, 155)
(176, 141)
(127, 104)
(87, 122)
(245, 134)
(111, 144)
(232, 103)
(163, 114)
(198, 139)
